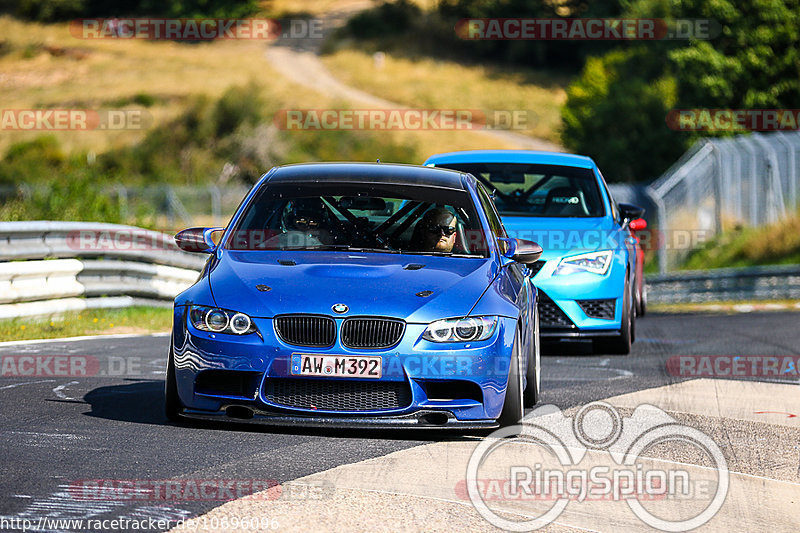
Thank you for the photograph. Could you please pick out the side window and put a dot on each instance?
(491, 212)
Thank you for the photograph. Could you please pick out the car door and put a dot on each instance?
(516, 277)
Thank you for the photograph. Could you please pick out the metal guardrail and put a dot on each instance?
(726, 284)
(45, 239)
(53, 267)
(720, 183)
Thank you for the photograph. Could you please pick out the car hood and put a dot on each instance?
(559, 237)
(369, 284)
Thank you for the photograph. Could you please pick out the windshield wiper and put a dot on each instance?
(443, 254)
(315, 247)
(343, 247)
(378, 250)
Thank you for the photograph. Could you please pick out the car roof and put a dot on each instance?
(376, 173)
(512, 156)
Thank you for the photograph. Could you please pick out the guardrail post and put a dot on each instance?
(791, 165)
(122, 196)
(216, 204)
(716, 178)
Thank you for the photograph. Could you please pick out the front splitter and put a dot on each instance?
(416, 420)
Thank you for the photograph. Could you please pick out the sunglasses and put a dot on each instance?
(442, 229)
(306, 223)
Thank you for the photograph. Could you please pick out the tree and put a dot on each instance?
(615, 113)
(616, 109)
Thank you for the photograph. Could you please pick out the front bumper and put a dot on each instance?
(564, 295)
(424, 369)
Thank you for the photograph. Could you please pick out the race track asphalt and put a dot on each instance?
(64, 433)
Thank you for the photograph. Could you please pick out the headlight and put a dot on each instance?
(221, 321)
(595, 262)
(467, 329)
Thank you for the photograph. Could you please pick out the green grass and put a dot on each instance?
(90, 322)
(777, 244)
(725, 306)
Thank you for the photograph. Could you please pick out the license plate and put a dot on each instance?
(361, 366)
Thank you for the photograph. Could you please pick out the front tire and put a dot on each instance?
(172, 402)
(643, 300)
(512, 407)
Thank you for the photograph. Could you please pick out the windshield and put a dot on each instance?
(538, 190)
(360, 217)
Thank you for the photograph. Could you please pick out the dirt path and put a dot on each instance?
(298, 60)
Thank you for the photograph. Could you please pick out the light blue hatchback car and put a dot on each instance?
(589, 277)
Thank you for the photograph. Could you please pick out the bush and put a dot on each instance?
(239, 106)
(40, 157)
(193, 147)
(48, 10)
(403, 28)
(387, 19)
(75, 194)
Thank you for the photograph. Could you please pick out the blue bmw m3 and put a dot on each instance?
(590, 277)
(361, 295)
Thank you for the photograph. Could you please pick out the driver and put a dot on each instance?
(306, 214)
(436, 232)
(306, 222)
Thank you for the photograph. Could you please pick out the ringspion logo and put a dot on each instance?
(553, 461)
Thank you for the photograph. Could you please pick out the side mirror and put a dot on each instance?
(197, 240)
(638, 224)
(630, 211)
(520, 250)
